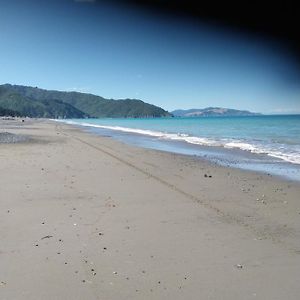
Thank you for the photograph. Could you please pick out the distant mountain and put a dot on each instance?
(212, 111)
(35, 102)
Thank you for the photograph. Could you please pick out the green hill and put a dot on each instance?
(212, 112)
(9, 112)
(35, 102)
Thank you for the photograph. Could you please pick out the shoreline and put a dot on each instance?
(226, 157)
(114, 221)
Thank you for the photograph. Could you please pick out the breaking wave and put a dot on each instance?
(279, 151)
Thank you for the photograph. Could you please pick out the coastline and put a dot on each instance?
(150, 224)
(182, 143)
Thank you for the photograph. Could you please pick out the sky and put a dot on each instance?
(119, 51)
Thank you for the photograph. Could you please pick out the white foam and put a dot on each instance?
(158, 134)
(293, 157)
(240, 145)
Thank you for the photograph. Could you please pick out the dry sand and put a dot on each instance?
(86, 217)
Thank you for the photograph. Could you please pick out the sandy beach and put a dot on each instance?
(87, 217)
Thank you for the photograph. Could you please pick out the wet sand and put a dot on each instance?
(87, 217)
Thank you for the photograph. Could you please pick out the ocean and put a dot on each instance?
(269, 144)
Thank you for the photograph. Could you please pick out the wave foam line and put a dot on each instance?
(289, 157)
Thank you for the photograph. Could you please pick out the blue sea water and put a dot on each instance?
(269, 144)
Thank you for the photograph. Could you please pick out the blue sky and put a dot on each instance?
(120, 52)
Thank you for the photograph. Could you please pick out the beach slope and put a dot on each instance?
(87, 217)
